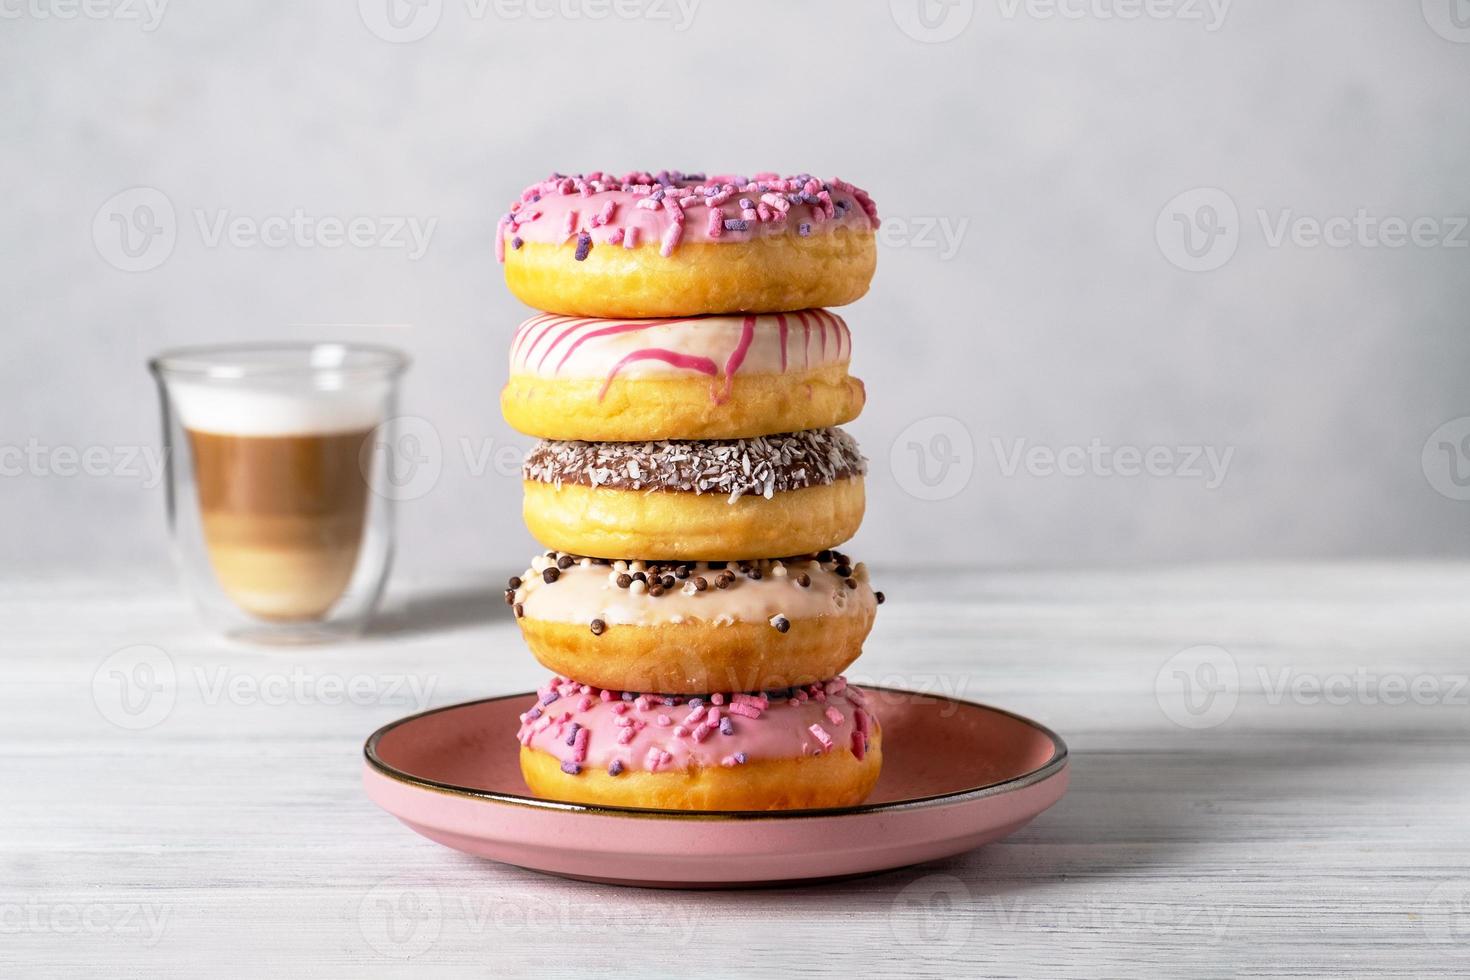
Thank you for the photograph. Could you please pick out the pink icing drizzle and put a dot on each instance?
(550, 339)
(737, 356)
(688, 361)
(616, 328)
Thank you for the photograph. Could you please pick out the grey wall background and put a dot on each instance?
(1048, 142)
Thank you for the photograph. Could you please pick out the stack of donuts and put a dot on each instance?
(692, 488)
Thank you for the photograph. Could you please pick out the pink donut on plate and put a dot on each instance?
(814, 746)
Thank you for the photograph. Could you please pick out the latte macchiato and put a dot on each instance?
(282, 516)
(281, 483)
(282, 493)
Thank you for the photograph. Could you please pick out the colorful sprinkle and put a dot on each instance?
(827, 713)
(766, 200)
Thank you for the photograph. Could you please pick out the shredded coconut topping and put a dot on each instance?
(764, 466)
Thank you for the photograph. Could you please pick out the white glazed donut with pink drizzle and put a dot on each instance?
(706, 377)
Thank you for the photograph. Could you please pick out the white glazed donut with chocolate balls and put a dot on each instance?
(693, 627)
(713, 500)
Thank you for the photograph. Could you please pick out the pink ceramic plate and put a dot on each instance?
(955, 775)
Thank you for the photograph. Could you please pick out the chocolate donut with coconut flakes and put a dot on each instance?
(712, 500)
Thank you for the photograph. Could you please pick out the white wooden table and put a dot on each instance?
(1269, 832)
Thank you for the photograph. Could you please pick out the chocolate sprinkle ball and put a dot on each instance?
(763, 466)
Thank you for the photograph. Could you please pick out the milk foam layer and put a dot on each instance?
(265, 410)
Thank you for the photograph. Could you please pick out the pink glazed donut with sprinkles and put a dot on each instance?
(807, 747)
(673, 244)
